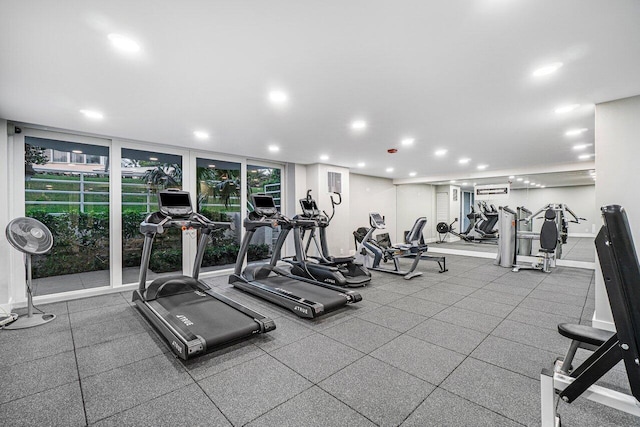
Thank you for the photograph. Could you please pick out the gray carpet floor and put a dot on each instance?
(463, 348)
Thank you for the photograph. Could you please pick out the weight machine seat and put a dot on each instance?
(549, 232)
(585, 334)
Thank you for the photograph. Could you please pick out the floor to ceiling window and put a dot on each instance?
(67, 188)
(144, 173)
(218, 187)
(264, 180)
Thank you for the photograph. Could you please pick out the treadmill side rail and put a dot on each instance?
(182, 348)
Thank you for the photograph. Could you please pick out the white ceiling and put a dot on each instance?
(452, 74)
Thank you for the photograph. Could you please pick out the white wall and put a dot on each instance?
(580, 199)
(370, 194)
(617, 154)
(414, 201)
(339, 232)
(5, 248)
(453, 209)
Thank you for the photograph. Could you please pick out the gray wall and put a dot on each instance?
(617, 154)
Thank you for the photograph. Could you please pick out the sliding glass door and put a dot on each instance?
(94, 193)
(218, 187)
(144, 173)
(67, 189)
(263, 179)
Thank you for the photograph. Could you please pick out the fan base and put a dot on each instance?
(29, 322)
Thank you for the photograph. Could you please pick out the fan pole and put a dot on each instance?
(29, 295)
(31, 320)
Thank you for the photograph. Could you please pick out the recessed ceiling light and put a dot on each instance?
(464, 161)
(92, 114)
(358, 125)
(441, 152)
(200, 134)
(581, 146)
(408, 141)
(465, 183)
(278, 97)
(212, 166)
(585, 156)
(412, 174)
(543, 186)
(519, 179)
(532, 183)
(389, 169)
(77, 151)
(153, 159)
(547, 69)
(526, 182)
(511, 176)
(475, 183)
(574, 132)
(453, 181)
(566, 108)
(361, 164)
(538, 185)
(324, 157)
(123, 43)
(274, 148)
(482, 167)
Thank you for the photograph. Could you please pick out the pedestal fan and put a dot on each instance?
(30, 237)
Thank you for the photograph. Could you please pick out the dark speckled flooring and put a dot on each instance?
(455, 349)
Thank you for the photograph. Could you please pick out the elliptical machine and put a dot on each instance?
(341, 271)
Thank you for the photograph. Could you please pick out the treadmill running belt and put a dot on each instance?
(207, 317)
(330, 299)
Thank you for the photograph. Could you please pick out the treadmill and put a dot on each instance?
(188, 314)
(273, 281)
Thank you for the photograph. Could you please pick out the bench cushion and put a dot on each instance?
(583, 333)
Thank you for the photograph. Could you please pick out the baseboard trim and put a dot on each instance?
(601, 324)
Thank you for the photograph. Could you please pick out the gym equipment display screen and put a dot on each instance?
(175, 203)
(377, 218)
(175, 199)
(263, 202)
(309, 207)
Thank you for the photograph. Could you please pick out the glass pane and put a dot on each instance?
(72, 200)
(264, 180)
(218, 196)
(144, 173)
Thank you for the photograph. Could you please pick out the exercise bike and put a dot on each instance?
(372, 251)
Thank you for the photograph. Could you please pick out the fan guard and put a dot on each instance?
(29, 235)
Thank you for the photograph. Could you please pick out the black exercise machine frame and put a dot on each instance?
(621, 273)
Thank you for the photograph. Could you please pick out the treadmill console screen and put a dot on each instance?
(175, 203)
(309, 208)
(376, 220)
(264, 205)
